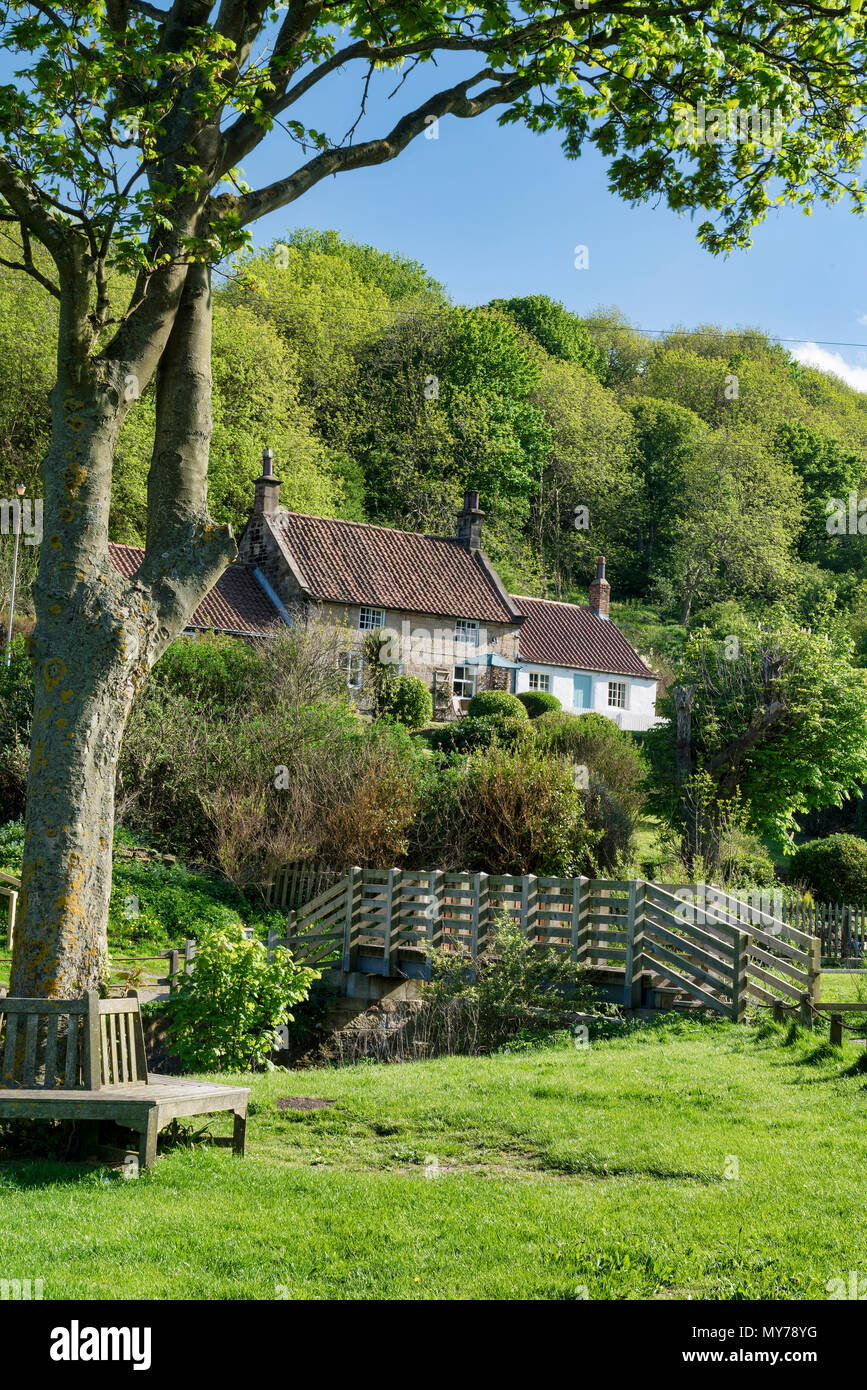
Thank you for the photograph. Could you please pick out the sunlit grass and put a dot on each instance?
(536, 1175)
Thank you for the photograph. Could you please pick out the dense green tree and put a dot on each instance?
(587, 500)
(771, 718)
(828, 471)
(120, 145)
(561, 333)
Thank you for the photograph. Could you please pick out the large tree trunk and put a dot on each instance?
(98, 634)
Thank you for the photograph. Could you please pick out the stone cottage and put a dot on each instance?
(443, 610)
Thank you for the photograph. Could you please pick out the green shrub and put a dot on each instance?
(537, 702)
(16, 711)
(409, 702)
(616, 774)
(225, 1015)
(213, 670)
(834, 869)
(464, 735)
(483, 1001)
(504, 810)
(495, 702)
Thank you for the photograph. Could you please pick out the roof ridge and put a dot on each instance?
(556, 602)
(368, 526)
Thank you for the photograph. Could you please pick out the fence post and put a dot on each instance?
(806, 1015)
(479, 924)
(529, 905)
(434, 910)
(740, 968)
(836, 1038)
(189, 952)
(814, 970)
(350, 933)
(577, 897)
(174, 968)
(633, 966)
(10, 929)
(392, 908)
(272, 941)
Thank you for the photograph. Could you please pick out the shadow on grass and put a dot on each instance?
(595, 1168)
(37, 1173)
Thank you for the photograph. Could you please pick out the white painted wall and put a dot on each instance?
(640, 695)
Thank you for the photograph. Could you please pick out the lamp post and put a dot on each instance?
(19, 489)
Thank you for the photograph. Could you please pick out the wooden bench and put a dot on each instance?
(84, 1059)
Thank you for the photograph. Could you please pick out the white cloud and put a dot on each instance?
(862, 318)
(811, 355)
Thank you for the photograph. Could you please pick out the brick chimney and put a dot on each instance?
(470, 522)
(267, 499)
(600, 591)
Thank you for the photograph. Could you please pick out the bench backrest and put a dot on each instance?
(89, 1044)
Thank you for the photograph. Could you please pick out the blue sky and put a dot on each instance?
(498, 211)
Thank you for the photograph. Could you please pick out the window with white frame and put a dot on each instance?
(617, 692)
(352, 666)
(540, 680)
(464, 683)
(371, 619)
(467, 632)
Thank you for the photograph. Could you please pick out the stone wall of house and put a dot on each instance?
(426, 647)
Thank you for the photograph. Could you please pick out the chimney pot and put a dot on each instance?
(470, 520)
(600, 592)
(267, 496)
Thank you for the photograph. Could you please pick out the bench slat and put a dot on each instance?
(9, 1050)
(111, 1024)
(120, 1023)
(70, 1075)
(127, 1025)
(29, 1072)
(51, 1053)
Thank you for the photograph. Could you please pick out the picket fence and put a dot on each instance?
(388, 921)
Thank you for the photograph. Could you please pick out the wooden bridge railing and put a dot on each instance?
(386, 922)
(10, 887)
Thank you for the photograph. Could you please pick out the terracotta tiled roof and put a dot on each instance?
(568, 634)
(354, 562)
(237, 603)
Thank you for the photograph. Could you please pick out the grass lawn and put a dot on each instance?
(531, 1175)
(844, 986)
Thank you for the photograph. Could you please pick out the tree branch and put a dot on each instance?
(455, 101)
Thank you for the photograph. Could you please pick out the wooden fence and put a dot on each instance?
(297, 884)
(387, 921)
(841, 927)
(10, 887)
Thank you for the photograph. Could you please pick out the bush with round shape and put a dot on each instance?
(495, 702)
(834, 868)
(538, 702)
(464, 735)
(410, 702)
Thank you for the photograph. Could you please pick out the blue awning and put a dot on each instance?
(492, 659)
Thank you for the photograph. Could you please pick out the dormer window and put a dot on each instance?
(371, 619)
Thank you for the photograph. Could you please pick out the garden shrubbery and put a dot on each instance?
(410, 702)
(464, 735)
(504, 810)
(225, 1015)
(834, 869)
(537, 702)
(241, 758)
(498, 702)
